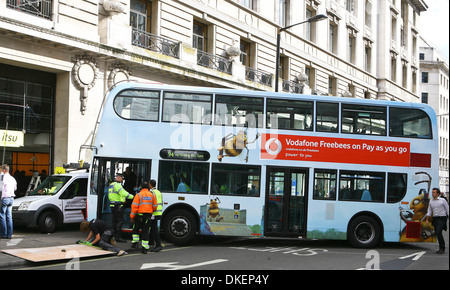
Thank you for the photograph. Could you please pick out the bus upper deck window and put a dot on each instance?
(289, 114)
(412, 123)
(137, 105)
(327, 115)
(239, 111)
(191, 108)
(362, 119)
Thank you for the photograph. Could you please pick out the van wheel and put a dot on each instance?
(180, 227)
(47, 222)
(364, 232)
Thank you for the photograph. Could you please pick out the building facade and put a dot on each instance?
(434, 90)
(59, 57)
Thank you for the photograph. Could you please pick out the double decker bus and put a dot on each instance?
(246, 163)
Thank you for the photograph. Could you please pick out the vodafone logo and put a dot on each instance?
(273, 146)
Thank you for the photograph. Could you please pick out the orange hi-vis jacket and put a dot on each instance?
(143, 202)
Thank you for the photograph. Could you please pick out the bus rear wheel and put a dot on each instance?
(364, 232)
(180, 227)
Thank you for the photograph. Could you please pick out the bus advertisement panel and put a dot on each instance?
(339, 150)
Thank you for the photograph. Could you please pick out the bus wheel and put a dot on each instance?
(364, 232)
(180, 227)
(47, 222)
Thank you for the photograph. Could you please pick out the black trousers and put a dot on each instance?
(154, 232)
(440, 223)
(142, 222)
(117, 220)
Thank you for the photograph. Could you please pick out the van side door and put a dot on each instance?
(74, 201)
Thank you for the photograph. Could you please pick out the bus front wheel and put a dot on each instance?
(180, 227)
(364, 232)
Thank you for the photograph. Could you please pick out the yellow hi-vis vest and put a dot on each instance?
(159, 200)
(117, 194)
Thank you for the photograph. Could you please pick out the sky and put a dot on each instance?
(434, 25)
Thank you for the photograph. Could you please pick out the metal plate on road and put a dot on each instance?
(57, 253)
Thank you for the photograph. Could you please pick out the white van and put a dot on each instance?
(59, 199)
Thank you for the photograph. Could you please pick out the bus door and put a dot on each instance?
(286, 197)
(104, 171)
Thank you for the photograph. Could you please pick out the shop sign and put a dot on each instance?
(11, 138)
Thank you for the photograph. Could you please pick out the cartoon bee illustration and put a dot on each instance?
(234, 144)
(419, 207)
(213, 210)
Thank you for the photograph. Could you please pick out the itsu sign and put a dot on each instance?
(11, 138)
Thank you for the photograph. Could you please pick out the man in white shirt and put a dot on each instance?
(438, 209)
(9, 186)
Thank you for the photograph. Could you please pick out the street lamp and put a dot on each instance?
(309, 20)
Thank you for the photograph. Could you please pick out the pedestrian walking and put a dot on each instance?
(155, 220)
(144, 203)
(101, 234)
(9, 187)
(117, 196)
(438, 209)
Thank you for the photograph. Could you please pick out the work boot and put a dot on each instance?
(156, 249)
(134, 245)
(144, 251)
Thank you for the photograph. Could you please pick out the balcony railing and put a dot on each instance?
(214, 61)
(292, 87)
(41, 8)
(155, 43)
(258, 76)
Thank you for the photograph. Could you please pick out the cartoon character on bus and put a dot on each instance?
(233, 145)
(213, 210)
(416, 229)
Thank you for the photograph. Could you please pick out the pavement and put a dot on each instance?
(26, 238)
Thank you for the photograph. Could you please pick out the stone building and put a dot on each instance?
(434, 90)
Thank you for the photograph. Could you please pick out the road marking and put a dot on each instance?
(400, 263)
(172, 266)
(285, 250)
(13, 242)
(415, 255)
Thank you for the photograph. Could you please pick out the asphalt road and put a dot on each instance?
(241, 255)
